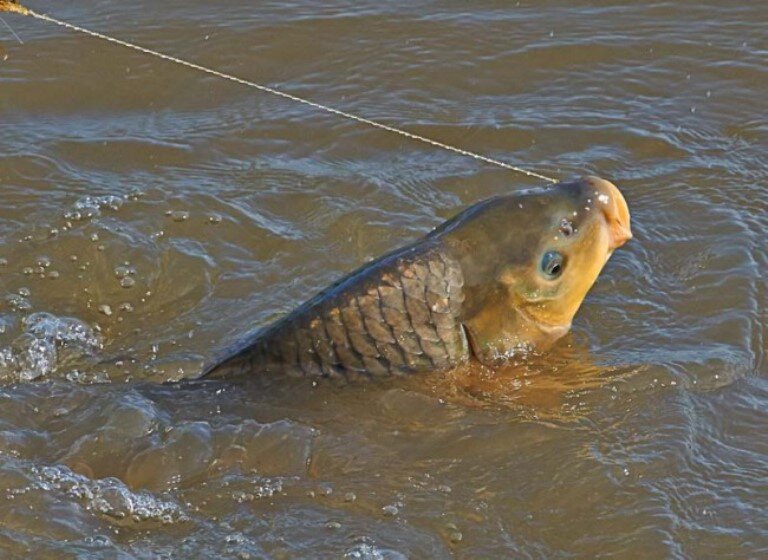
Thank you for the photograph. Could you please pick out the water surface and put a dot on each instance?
(150, 214)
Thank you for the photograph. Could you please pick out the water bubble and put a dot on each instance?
(99, 540)
(43, 261)
(127, 282)
(214, 219)
(64, 330)
(242, 497)
(390, 510)
(18, 303)
(105, 309)
(366, 550)
(235, 538)
(90, 206)
(178, 215)
(34, 357)
(72, 216)
(269, 488)
(87, 378)
(124, 270)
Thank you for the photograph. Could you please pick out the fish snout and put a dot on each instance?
(614, 208)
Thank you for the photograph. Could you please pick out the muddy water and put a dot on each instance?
(150, 214)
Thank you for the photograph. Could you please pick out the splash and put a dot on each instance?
(367, 550)
(89, 207)
(108, 496)
(47, 342)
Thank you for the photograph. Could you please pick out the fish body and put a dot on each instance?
(503, 277)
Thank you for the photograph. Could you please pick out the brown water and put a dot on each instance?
(151, 214)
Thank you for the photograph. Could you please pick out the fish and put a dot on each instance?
(501, 279)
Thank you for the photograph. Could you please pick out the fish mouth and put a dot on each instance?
(616, 213)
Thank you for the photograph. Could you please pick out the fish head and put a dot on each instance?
(530, 258)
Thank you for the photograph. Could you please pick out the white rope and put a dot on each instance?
(285, 95)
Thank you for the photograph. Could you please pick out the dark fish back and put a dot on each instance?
(395, 316)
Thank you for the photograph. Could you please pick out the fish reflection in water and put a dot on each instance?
(557, 384)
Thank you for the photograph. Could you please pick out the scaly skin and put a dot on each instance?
(397, 315)
(471, 287)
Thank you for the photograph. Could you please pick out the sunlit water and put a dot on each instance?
(149, 215)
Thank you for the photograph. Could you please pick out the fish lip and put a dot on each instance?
(619, 233)
(615, 211)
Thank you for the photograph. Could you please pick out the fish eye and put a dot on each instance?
(552, 264)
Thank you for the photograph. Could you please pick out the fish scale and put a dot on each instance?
(400, 316)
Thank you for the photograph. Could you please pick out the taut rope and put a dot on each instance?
(15, 7)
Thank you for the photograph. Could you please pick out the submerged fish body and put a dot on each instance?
(507, 274)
